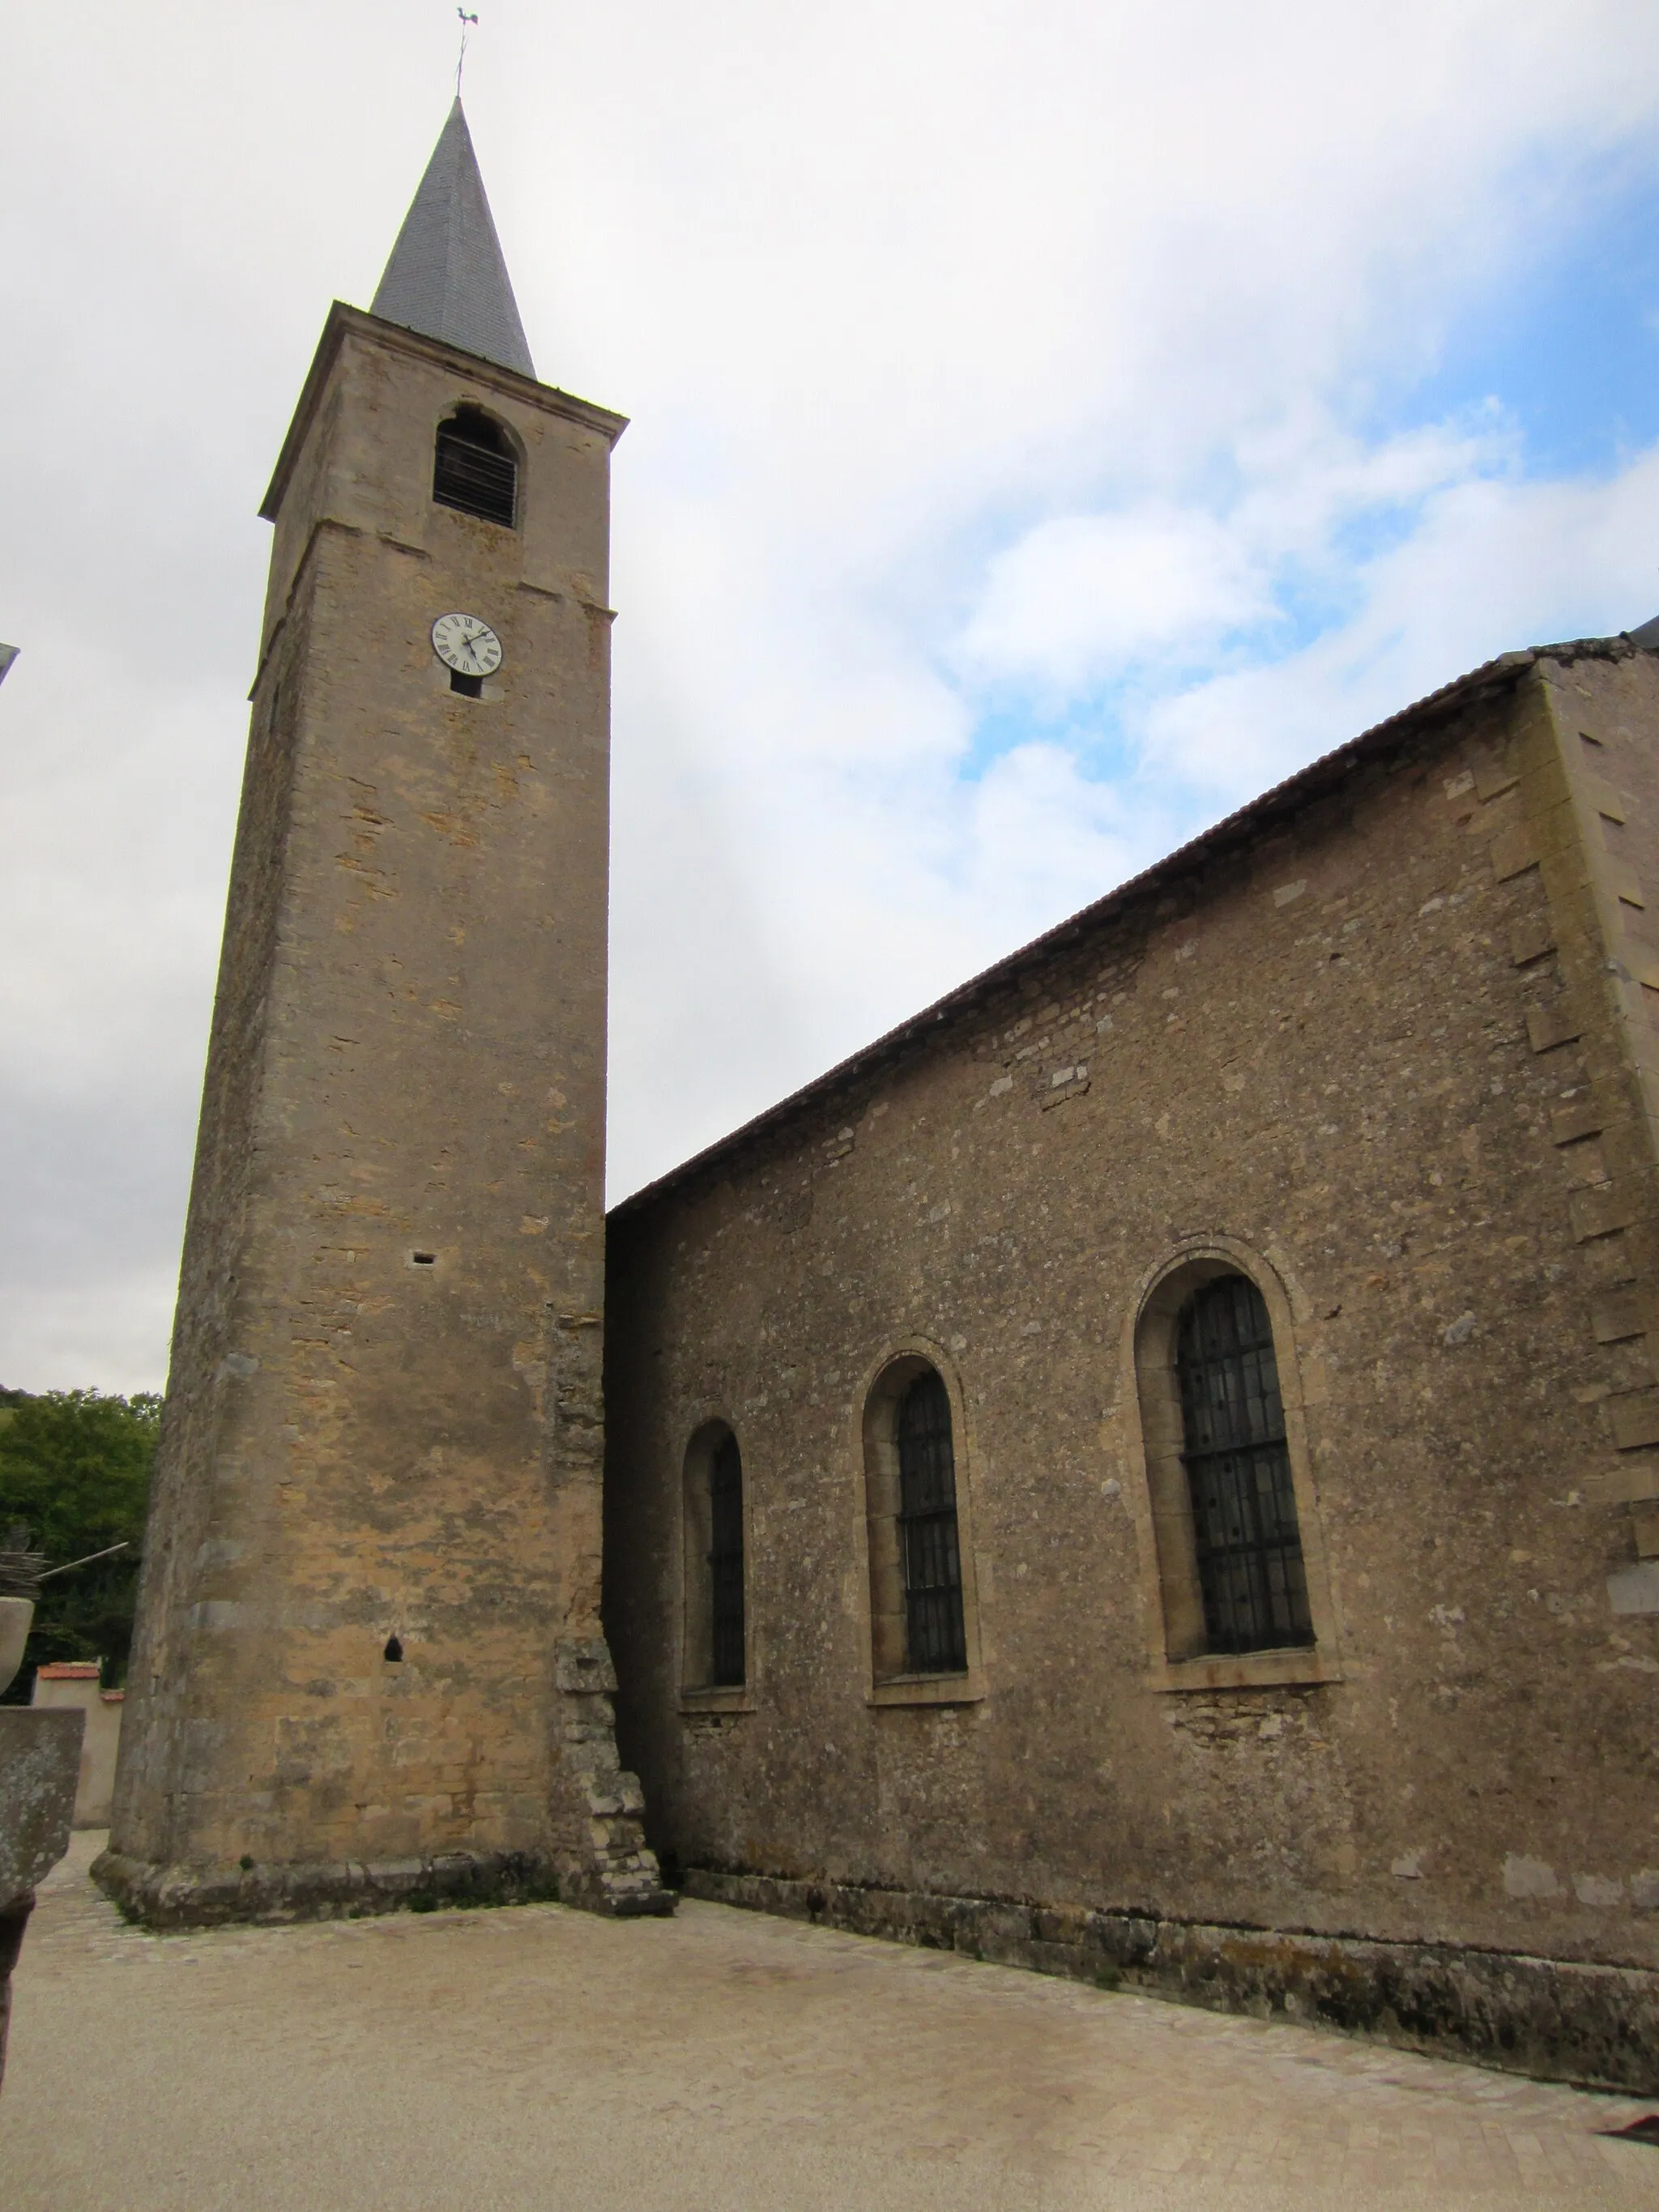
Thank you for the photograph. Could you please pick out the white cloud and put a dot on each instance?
(1079, 598)
(981, 355)
(1047, 839)
(1491, 565)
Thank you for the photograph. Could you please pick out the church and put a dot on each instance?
(1148, 1472)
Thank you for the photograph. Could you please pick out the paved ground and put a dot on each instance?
(538, 2060)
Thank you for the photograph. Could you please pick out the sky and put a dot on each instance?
(1051, 424)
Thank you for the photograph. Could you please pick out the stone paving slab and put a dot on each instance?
(537, 2059)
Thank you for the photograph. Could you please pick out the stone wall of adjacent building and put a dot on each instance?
(1383, 1043)
(74, 1684)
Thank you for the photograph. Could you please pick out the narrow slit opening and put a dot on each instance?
(394, 1649)
(425, 1259)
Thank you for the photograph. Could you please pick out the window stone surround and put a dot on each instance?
(1159, 1498)
(694, 1631)
(881, 1578)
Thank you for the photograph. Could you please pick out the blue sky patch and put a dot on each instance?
(1571, 350)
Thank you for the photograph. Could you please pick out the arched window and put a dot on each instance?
(726, 1563)
(715, 1657)
(924, 1647)
(935, 1640)
(474, 469)
(1246, 1542)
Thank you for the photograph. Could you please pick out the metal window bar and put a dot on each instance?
(472, 477)
(936, 1641)
(726, 1564)
(1249, 1545)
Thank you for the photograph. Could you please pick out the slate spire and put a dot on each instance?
(447, 278)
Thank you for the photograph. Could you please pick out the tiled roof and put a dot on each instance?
(448, 277)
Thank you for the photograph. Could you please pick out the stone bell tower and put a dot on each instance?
(368, 1660)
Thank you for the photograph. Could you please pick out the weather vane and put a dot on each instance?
(460, 58)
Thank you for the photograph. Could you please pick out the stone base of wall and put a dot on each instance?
(189, 1897)
(1597, 2026)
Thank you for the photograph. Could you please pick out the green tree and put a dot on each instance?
(74, 1471)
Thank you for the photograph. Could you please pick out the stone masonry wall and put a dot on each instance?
(1368, 1045)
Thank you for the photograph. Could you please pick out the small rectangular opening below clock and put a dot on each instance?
(470, 687)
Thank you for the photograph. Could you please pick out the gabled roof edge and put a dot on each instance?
(1491, 676)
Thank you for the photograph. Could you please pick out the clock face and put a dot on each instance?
(466, 644)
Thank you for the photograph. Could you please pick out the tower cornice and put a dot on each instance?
(345, 321)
